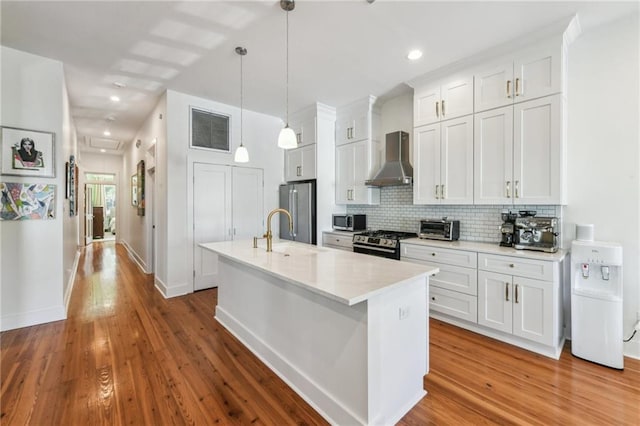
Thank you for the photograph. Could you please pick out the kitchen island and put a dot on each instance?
(348, 332)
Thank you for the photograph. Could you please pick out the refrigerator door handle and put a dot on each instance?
(294, 212)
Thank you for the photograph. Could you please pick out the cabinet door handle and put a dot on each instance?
(508, 189)
(506, 291)
(516, 187)
(298, 171)
(437, 192)
(516, 295)
(442, 102)
(517, 87)
(438, 109)
(443, 193)
(299, 138)
(509, 89)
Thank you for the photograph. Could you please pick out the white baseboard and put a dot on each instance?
(173, 291)
(72, 280)
(134, 256)
(27, 319)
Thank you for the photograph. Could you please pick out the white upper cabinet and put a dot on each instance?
(304, 126)
(355, 162)
(357, 121)
(300, 163)
(530, 74)
(518, 154)
(443, 100)
(357, 152)
(443, 162)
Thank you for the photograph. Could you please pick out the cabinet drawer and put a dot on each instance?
(337, 241)
(456, 278)
(467, 259)
(528, 268)
(452, 303)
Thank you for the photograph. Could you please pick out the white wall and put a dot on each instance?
(134, 230)
(71, 228)
(260, 135)
(37, 255)
(603, 148)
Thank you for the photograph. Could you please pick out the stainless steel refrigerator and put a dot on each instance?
(299, 199)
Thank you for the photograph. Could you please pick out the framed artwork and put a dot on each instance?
(134, 190)
(71, 176)
(76, 172)
(209, 130)
(140, 186)
(27, 201)
(66, 180)
(27, 152)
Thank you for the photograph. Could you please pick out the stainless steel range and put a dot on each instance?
(380, 243)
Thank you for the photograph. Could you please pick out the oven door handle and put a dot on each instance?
(374, 248)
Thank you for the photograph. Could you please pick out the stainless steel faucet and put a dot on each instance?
(269, 235)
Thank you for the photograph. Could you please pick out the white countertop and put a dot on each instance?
(491, 248)
(346, 277)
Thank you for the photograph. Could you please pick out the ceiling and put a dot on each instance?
(339, 50)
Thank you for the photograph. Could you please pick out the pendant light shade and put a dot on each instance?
(241, 155)
(287, 138)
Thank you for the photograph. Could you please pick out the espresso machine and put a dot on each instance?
(507, 229)
(535, 233)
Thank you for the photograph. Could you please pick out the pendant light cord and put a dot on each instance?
(241, 101)
(287, 69)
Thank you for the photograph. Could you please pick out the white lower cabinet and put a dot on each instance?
(517, 305)
(337, 240)
(511, 298)
(453, 289)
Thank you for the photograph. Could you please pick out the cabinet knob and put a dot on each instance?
(511, 265)
(433, 254)
(433, 298)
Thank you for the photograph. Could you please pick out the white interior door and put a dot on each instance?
(247, 203)
(211, 219)
(88, 215)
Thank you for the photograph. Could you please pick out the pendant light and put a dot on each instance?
(241, 155)
(287, 138)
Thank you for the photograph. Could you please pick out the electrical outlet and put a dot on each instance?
(403, 312)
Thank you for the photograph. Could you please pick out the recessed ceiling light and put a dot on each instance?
(115, 98)
(106, 133)
(103, 150)
(414, 54)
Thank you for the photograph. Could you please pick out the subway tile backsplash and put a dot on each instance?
(477, 223)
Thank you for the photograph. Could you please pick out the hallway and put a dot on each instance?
(126, 355)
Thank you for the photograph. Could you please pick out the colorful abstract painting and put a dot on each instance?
(27, 201)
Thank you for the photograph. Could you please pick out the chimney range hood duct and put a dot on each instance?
(396, 170)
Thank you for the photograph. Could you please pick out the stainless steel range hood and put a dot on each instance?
(396, 170)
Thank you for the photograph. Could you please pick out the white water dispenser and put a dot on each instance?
(596, 302)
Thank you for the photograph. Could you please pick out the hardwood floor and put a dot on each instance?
(126, 355)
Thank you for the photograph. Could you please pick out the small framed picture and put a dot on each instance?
(134, 190)
(27, 152)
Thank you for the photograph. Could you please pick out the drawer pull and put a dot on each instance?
(433, 254)
(506, 291)
(511, 265)
(516, 295)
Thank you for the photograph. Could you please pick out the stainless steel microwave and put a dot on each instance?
(350, 222)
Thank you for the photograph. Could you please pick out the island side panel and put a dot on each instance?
(317, 345)
(398, 350)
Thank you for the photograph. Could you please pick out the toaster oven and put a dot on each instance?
(439, 229)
